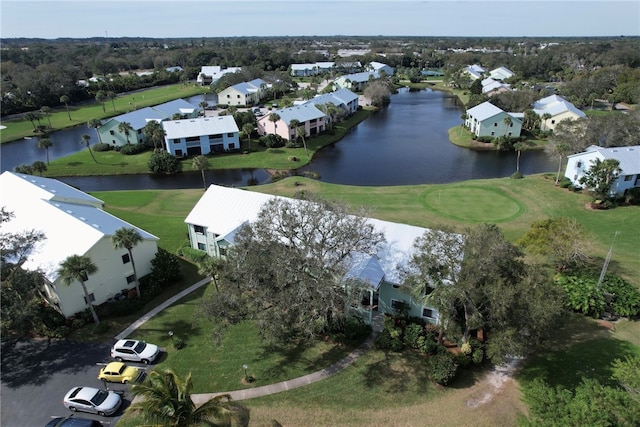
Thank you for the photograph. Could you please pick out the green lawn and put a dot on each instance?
(114, 163)
(80, 115)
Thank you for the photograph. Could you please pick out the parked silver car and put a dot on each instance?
(93, 400)
(134, 351)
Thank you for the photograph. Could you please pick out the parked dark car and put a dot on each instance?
(72, 421)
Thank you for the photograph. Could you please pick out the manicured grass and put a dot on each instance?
(114, 163)
(219, 367)
(81, 114)
(581, 349)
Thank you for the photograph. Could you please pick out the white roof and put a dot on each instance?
(222, 210)
(339, 97)
(302, 113)
(628, 157)
(555, 105)
(68, 218)
(489, 85)
(501, 73)
(484, 111)
(176, 129)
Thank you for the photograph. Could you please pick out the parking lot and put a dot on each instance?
(36, 375)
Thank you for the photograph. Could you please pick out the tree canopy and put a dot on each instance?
(286, 268)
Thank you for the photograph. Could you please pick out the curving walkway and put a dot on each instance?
(377, 326)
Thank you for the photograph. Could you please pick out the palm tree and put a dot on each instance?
(560, 149)
(95, 124)
(31, 116)
(293, 124)
(247, 129)
(545, 117)
(100, 96)
(274, 117)
(38, 166)
(154, 132)
(128, 238)
(46, 111)
(166, 400)
(201, 163)
(45, 143)
(519, 146)
(112, 96)
(211, 266)
(79, 267)
(507, 124)
(125, 128)
(204, 105)
(86, 139)
(65, 100)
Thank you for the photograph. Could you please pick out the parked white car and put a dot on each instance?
(134, 351)
(93, 400)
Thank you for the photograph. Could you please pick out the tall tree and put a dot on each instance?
(508, 122)
(45, 143)
(519, 146)
(100, 97)
(79, 268)
(274, 117)
(126, 129)
(165, 399)
(154, 133)
(65, 100)
(86, 141)
(286, 268)
(211, 266)
(600, 177)
(112, 96)
(46, 111)
(20, 289)
(128, 238)
(484, 276)
(95, 124)
(247, 129)
(31, 116)
(201, 163)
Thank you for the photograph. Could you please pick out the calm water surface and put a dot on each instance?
(406, 143)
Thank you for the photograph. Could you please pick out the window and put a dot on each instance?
(230, 134)
(493, 133)
(397, 304)
(92, 298)
(628, 177)
(111, 132)
(202, 246)
(223, 251)
(495, 124)
(198, 229)
(228, 96)
(131, 279)
(178, 153)
(232, 146)
(192, 139)
(216, 136)
(126, 259)
(427, 312)
(176, 141)
(579, 164)
(553, 122)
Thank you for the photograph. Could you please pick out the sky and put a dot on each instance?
(52, 19)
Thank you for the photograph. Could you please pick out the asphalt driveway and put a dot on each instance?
(36, 375)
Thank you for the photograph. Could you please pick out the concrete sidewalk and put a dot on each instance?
(377, 326)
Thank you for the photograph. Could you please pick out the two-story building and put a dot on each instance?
(111, 131)
(488, 120)
(73, 223)
(214, 221)
(553, 109)
(243, 94)
(308, 116)
(203, 135)
(627, 157)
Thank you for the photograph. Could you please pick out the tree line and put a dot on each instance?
(37, 73)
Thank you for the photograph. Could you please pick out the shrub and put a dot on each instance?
(565, 182)
(427, 344)
(131, 149)
(626, 299)
(412, 332)
(162, 162)
(582, 295)
(165, 268)
(271, 141)
(178, 342)
(101, 327)
(101, 146)
(383, 342)
(517, 175)
(195, 255)
(632, 196)
(352, 330)
(443, 367)
(478, 356)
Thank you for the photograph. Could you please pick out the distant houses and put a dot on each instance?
(203, 135)
(313, 69)
(212, 73)
(629, 163)
(74, 223)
